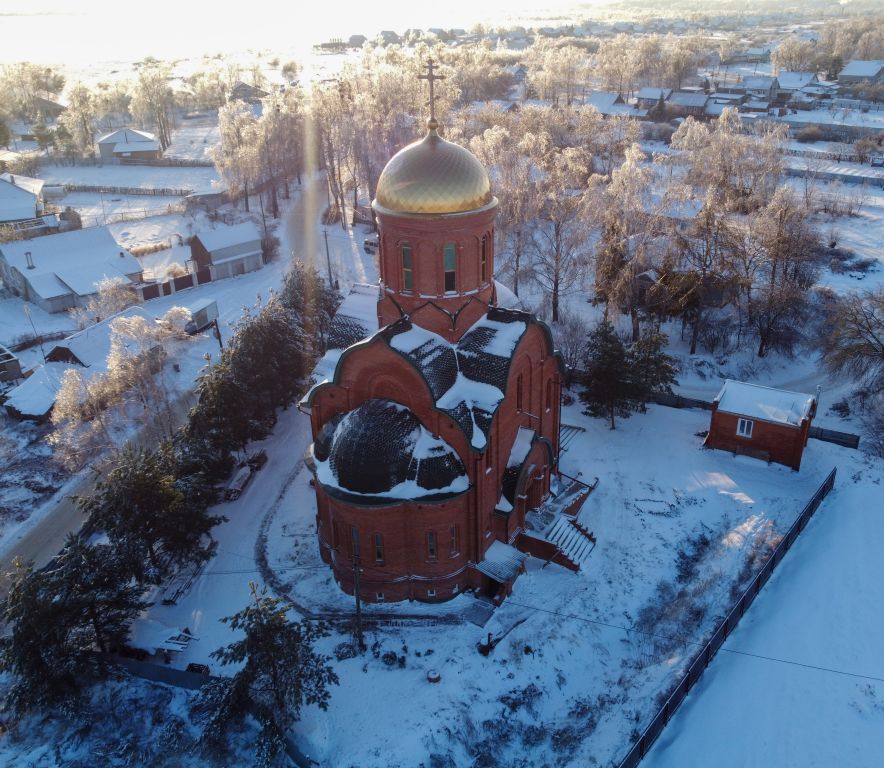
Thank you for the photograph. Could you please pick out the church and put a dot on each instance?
(435, 435)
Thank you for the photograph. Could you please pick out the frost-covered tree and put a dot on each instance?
(234, 156)
(153, 101)
(112, 296)
(854, 342)
(80, 119)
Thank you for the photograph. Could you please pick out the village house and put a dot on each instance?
(21, 198)
(228, 251)
(10, 367)
(127, 143)
(86, 350)
(435, 436)
(769, 424)
(248, 93)
(58, 272)
(648, 98)
(760, 87)
(862, 71)
(789, 83)
(686, 104)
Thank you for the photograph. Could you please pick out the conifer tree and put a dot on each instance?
(279, 673)
(150, 514)
(58, 617)
(620, 380)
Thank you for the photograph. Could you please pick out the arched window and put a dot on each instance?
(450, 267)
(432, 546)
(378, 548)
(484, 258)
(455, 541)
(354, 542)
(548, 396)
(520, 389)
(407, 268)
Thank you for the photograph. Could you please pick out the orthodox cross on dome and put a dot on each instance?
(431, 77)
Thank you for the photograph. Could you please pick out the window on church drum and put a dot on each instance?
(489, 464)
(484, 258)
(519, 392)
(378, 548)
(744, 427)
(354, 541)
(450, 264)
(432, 549)
(407, 268)
(455, 540)
(548, 396)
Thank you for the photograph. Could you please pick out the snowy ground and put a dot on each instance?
(142, 176)
(193, 140)
(820, 612)
(97, 209)
(585, 682)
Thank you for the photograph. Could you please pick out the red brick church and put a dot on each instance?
(435, 435)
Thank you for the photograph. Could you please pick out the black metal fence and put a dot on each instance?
(831, 436)
(701, 660)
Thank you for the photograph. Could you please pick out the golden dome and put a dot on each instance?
(433, 176)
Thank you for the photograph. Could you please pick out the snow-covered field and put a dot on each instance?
(572, 679)
(802, 681)
(141, 176)
(98, 209)
(193, 140)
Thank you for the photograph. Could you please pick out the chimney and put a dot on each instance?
(29, 259)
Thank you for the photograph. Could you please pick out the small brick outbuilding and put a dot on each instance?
(770, 424)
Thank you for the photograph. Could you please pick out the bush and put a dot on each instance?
(809, 133)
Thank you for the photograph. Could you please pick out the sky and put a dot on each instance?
(56, 31)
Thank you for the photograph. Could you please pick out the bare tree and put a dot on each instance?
(152, 100)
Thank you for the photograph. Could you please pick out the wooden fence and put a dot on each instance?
(146, 191)
(701, 661)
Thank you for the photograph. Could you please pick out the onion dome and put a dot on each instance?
(433, 176)
(382, 449)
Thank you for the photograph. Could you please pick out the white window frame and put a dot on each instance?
(431, 593)
(744, 428)
(379, 596)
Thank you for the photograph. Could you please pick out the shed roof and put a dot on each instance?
(91, 346)
(862, 68)
(35, 396)
(794, 81)
(226, 237)
(127, 147)
(126, 135)
(653, 93)
(501, 562)
(765, 403)
(16, 202)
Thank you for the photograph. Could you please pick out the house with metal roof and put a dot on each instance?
(58, 272)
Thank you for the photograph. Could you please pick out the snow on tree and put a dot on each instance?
(854, 342)
(84, 601)
(149, 513)
(278, 673)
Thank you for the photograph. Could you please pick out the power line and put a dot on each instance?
(608, 625)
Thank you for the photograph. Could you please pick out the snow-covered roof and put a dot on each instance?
(862, 68)
(714, 108)
(91, 346)
(226, 237)
(765, 403)
(603, 99)
(127, 147)
(16, 202)
(758, 82)
(501, 562)
(126, 136)
(35, 396)
(34, 186)
(687, 99)
(653, 93)
(80, 259)
(380, 450)
(466, 379)
(794, 81)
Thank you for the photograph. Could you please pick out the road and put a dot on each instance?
(40, 541)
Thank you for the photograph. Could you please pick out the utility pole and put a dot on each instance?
(34, 328)
(331, 281)
(359, 639)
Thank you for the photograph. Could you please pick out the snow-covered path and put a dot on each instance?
(821, 609)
